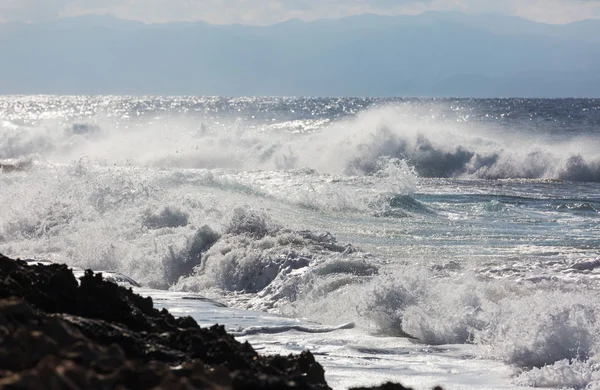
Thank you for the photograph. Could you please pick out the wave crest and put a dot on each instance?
(350, 146)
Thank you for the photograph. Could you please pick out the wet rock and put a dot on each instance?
(96, 334)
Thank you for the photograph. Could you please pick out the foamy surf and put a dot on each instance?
(463, 247)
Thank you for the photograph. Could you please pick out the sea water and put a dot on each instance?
(452, 242)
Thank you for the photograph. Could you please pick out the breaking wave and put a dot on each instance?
(440, 149)
(354, 145)
(536, 330)
(531, 326)
(240, 210)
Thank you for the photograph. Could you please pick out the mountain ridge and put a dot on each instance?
(492, 55)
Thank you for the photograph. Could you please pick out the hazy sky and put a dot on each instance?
(271, 11)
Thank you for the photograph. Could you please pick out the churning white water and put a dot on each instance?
(428, 242)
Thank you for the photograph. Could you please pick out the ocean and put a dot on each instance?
(451, 242)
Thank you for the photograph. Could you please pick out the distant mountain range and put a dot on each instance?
(441, 54)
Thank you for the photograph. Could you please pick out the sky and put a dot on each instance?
(265, 12)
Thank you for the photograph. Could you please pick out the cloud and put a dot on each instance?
(263, 12)
(549, 11)
(223, 11)
(556, 11)
(31, 10)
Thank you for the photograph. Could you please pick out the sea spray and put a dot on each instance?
(422, 135)
(443, 229)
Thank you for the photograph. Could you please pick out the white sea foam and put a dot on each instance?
(239, 209)
(433, 146)
(565, 373)
(524, 325)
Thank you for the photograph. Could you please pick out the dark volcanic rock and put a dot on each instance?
(46, 351)
(96, 334)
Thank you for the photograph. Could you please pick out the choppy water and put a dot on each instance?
(460, 237)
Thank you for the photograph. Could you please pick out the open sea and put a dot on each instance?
(451, 242)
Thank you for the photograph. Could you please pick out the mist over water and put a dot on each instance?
(449, 222)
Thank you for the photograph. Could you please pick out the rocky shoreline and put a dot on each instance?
(56, 333)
